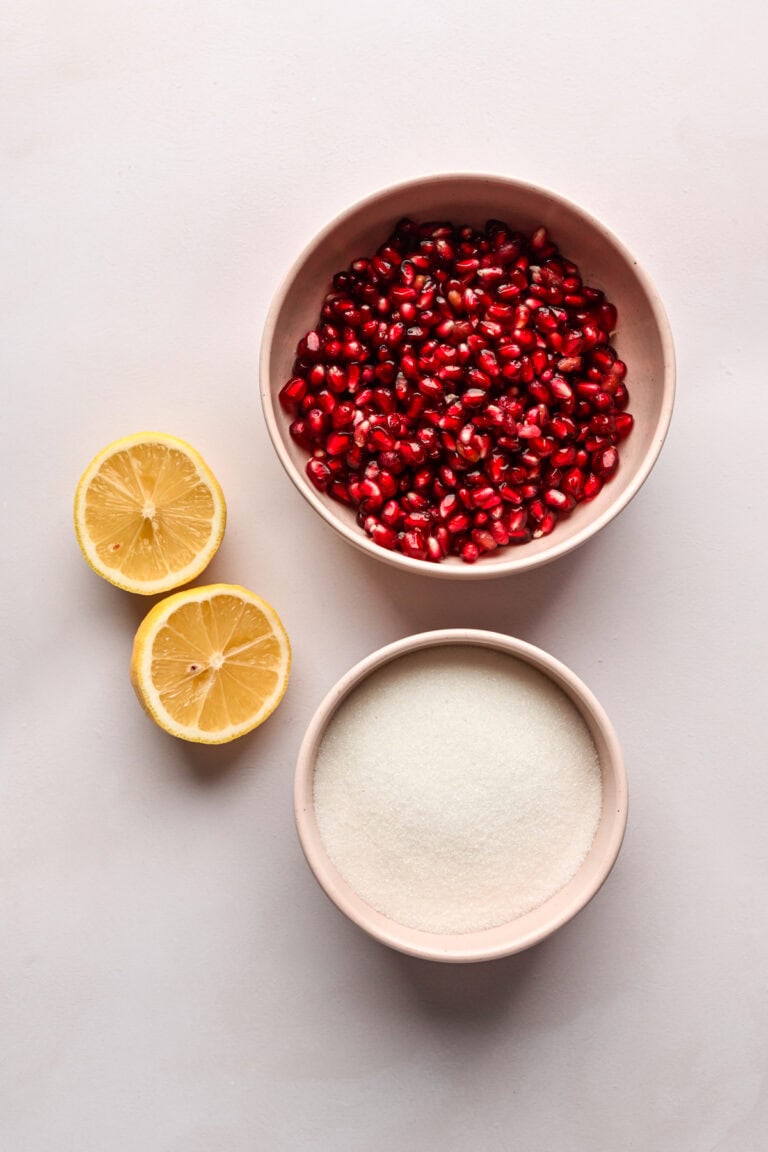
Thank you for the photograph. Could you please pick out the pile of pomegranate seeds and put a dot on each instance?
(460, 390)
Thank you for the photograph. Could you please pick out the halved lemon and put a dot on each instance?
(149, 513)
(209, 664)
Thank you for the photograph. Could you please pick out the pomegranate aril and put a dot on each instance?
(338, 443)
(560, 388)
(608, 317)
(458, 523)
(620, 397)
(443, 537)
(292, 393)
(624, 422)
(448, 506)
(605, 462)
(469, 552)
(559, 500)
(319, 473)
(488, 363)
(343, 414)
(392, 514)
(340, 492)
(602, 401)
(483, 539)
(430, 387)
(434, 551)
(370, 495)
(383, 535)
(573, 482)
(592, 486)
(545, 526)
(317, 424)
(414, 544)
(500, 533)
(562, 457)
(485, 498)
(417, 519)
(537, 510)
(510, 494)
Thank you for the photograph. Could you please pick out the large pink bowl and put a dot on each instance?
(643, 340)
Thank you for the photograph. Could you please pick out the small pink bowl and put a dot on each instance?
(643, 340)
(527, 929)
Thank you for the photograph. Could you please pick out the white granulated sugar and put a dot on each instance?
(457, 788)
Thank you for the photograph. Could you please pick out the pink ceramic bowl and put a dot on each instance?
(643, 340)
(527, 929)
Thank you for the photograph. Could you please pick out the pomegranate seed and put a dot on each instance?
(500, 533)
(414, 544)
(343, 414)
(488, 363)
(605, 462)
(448, 506)
(337, 443)
(319, 473)
(620, 397)
(559, 500)
(485, 498)
(392, 514)
(387, 483)
(562, 457)
(371, 495)
(417, 519)
(545, 526)
(292, 393)
(624, 422)
(573, 482)
(458, 523)
(608, 317)
(380, 440)
(536, 510)
(592, 486)
(384, 536)
(317, 424)
(340, 492)
(483, 539)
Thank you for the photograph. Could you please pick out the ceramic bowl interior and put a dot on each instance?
(527, 929)
(643, 340)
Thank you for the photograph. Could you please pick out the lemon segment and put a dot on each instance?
(149, 513)
(210, 664)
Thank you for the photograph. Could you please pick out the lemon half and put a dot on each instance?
(149, 513)
(210, 664)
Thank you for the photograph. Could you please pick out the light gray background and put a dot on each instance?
(172, 978)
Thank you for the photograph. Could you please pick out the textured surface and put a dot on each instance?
(456, 789)
(172, 978)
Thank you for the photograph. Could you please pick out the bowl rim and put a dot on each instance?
(517, 562)
(453, 947)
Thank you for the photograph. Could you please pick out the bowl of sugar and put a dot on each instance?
(460, 795)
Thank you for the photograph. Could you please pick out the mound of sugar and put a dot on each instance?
(457, 788)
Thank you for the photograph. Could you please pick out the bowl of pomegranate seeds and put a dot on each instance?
(467, 375)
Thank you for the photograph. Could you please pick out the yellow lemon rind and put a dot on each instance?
(141, 664)
(203, 558)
